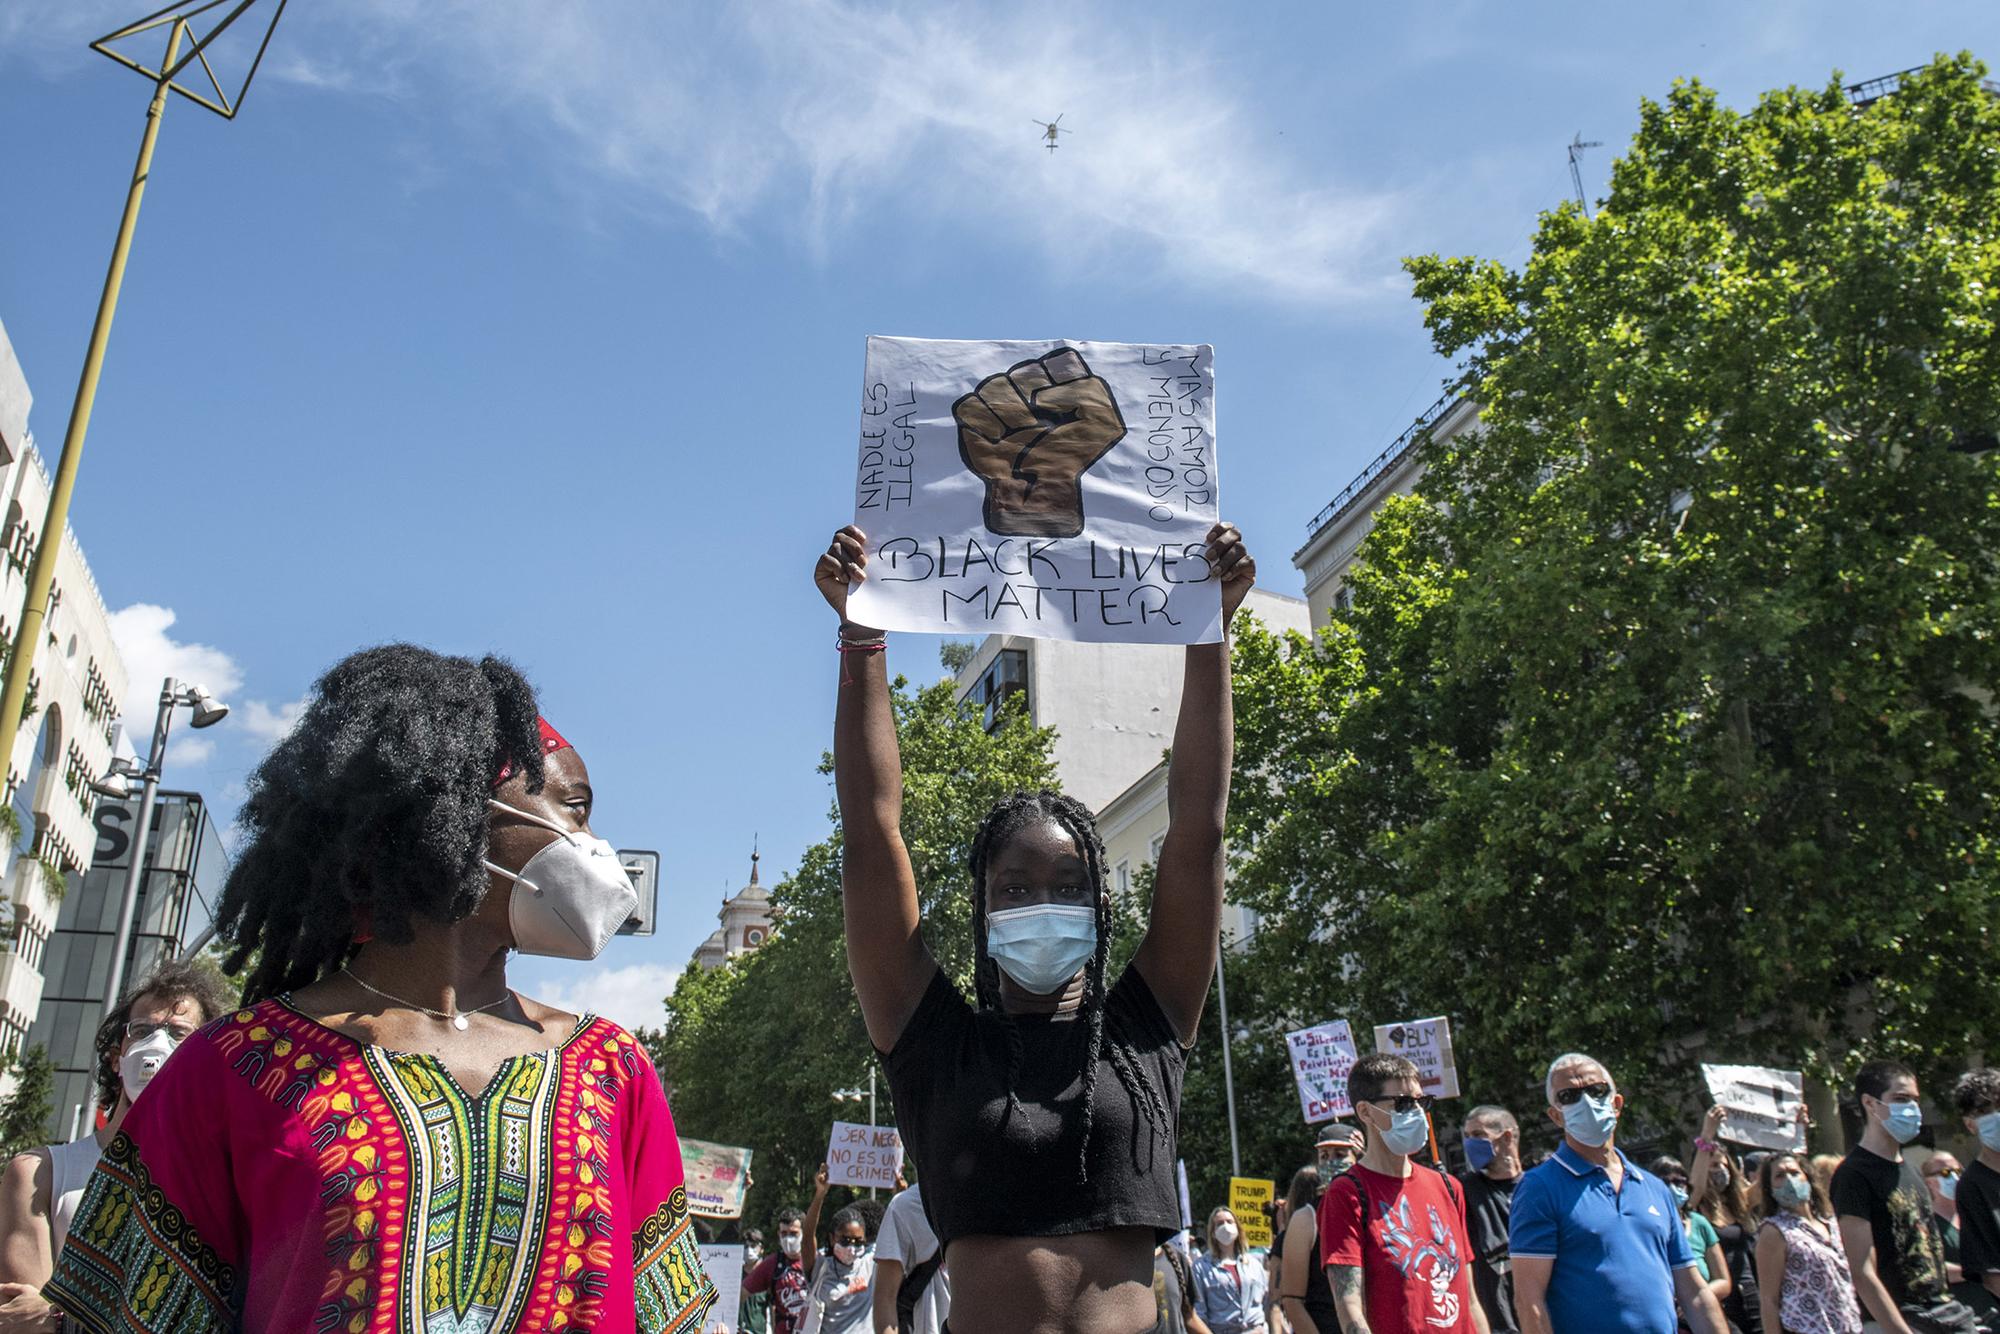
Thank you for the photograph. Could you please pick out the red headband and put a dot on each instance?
(552, 742)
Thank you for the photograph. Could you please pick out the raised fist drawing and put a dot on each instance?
(1030, 434)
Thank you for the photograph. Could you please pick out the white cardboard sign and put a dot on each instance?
(1760, 1105)
(1321, 1058)
(724, 1267)
(1059, 489)
(1427, 1044)
(858, 1155)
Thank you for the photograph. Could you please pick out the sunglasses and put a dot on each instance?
(1404, 1103)
(1596, 1092)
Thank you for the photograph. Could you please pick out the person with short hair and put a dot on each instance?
(1941, 1174)
(387, 1133)
(912, 1289)
(1709, 1261)
(753, 1309)
(1392, 1231)
(1597, 1244)
(1976, 1099)
(1491, 1139)
(780, 1277)
(1803, 1283)
(42, 1188)
(1892, 1244)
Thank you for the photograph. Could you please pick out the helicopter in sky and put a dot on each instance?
(1050, 129)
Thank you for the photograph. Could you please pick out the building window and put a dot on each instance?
(1159, 841)
(1004, 677)
(1344, 599)
(1124, 874)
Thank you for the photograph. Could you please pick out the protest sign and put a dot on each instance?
(859, 1155)
(1760, 1106)
(717, 1178)
(1248, 1199)
(1058, 489)
(724, 1267)
(1321, 1058)
(1426, 1043)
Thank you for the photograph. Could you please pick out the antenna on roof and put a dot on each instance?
(1576, 147)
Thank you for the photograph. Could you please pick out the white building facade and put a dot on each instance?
(746, 918)
(1113, 707)
(66, 741)
(1335, 534)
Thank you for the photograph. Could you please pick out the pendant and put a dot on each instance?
(458, 1022)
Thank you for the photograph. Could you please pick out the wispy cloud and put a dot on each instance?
(813, 112)
(633, 995)
(269, 725)
(151, 655)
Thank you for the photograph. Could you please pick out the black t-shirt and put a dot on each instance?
(1739, 1256)
(990, 1170)
(1979, 1221)
(1892, 1197)
(1488, 1206)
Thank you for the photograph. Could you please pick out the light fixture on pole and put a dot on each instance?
(854, 1095)
(179, 21)
(208, 711)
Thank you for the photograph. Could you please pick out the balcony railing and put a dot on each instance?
(1381, 463)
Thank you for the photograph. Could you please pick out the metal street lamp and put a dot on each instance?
(177, 19)
(208, 711)
(854, 1095)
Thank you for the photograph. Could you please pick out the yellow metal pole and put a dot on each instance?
(42, 573)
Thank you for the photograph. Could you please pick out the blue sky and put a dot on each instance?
(537, 327)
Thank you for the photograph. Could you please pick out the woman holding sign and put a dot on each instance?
(1043, 1121)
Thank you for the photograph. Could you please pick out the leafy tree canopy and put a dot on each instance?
(1662, 725)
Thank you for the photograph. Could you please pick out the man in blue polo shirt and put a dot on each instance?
(1597, 1244)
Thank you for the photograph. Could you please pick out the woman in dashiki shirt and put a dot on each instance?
(387, 1137)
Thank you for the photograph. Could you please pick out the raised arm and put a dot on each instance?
(885, 946)
(1704, 1158)
(1177, 957)
(809, 1244)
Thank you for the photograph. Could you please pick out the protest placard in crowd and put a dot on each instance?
(724, 1267)
(1248, 1199)
(1321, 1058)
(1059, 489)
(717, 1178)
(1425, 1043)
(858, 1155)
(1760, 1105)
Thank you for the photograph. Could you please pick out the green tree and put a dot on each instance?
(24, 1114)
(754, 1049)
(1662, 724)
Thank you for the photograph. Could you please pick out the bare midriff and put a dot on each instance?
(1086, 1283)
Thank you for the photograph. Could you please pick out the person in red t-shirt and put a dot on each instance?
(783, 1276)
(1392, 1232)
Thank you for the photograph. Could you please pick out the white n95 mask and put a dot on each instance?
(571, 897)
(142, 1060)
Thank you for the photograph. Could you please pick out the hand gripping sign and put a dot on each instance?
(1057, 489)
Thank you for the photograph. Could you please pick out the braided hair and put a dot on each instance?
(372, 811)
(1007, 818)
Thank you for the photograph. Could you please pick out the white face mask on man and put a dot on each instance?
(143, 1059)
(571, 897)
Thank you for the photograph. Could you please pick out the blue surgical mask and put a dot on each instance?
(1948, 1186)
(1478, 1153)
(1407, 1132)
(1041, 947)
(1792, 1192)
(1904, 1122)
(1680, 1195)
(1590, 1121)
(1989, 1130)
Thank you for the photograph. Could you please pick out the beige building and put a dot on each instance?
(1336, 532)
(1113, 707)
(66, 742)
(746, 918)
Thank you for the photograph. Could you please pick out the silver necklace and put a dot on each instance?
(457, 1020)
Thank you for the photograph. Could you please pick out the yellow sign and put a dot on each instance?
(1247, 1200)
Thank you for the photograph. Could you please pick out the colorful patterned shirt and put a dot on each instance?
(280, 1176)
